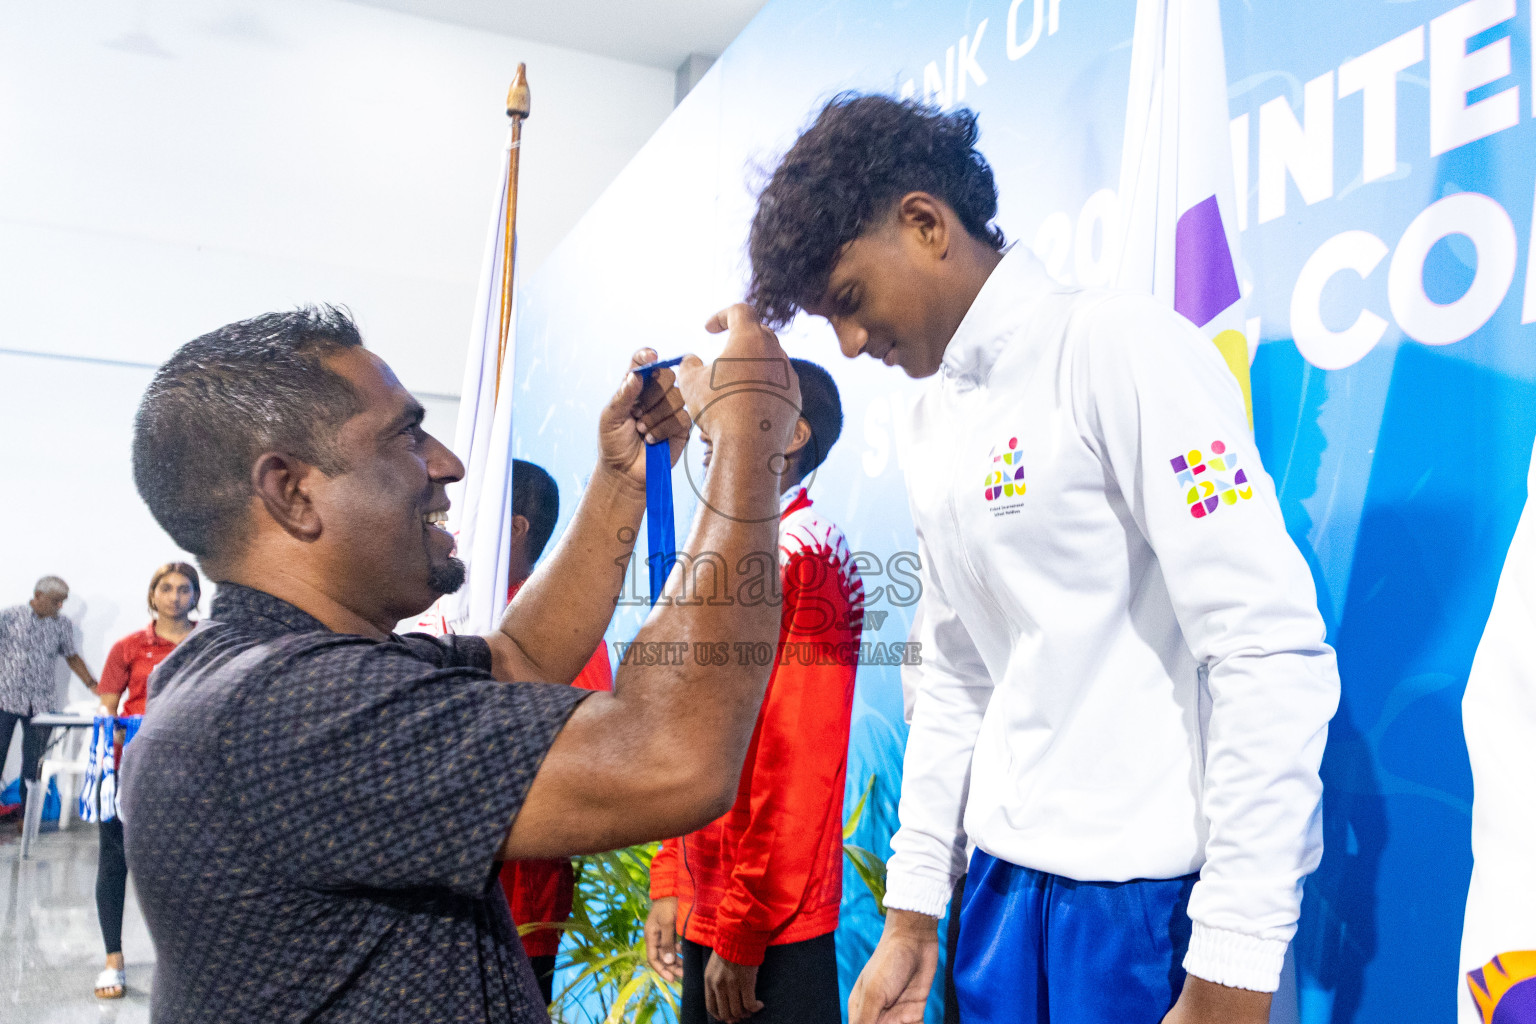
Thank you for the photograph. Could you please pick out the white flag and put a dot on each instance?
(481, 516)
(1177, 190)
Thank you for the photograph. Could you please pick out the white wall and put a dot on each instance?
(168, 166)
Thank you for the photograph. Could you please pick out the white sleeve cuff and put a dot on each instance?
(922, 895)
(1232, 958)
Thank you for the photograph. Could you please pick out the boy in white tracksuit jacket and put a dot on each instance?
(1498, 713)
(1125, 688)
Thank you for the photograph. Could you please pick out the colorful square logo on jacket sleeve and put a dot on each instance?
(1504, 988)
(1210, 478)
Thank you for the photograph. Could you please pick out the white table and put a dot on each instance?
(31, 816)
(63, 719)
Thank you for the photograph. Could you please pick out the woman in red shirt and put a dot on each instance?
(174, 591)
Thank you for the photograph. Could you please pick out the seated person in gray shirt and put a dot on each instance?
(315, 807)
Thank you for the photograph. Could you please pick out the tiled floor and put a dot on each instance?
(50, 943)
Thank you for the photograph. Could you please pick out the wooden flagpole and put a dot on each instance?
(517, 110)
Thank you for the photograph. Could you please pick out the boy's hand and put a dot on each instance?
(893, 987)
(730, 990)
(661, 939)
(1205, 1002)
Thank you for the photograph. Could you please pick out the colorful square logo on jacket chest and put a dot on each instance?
(1004, 484)
(1211, 478)
(1006, 477)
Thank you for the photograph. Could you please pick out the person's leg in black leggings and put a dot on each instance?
(111, 884)
(544, 970)
(797, 984)
(695, 957)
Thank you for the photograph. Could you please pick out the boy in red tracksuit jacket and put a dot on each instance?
(541, 891)
(754, 896)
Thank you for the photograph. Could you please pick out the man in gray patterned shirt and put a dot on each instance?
(315, 807)
(31, 636)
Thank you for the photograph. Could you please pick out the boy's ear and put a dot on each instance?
(800, 438)
(519, 527)
(925, 217)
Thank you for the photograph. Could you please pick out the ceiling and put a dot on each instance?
(660, 33)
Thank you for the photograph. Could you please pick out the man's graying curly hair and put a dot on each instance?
(839, 180)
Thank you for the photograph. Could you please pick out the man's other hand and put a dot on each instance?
(1205, 1002)
(661, 939)
(893, 987)
(730, 990)
(693, 376)
(753, 365)
(643, 410)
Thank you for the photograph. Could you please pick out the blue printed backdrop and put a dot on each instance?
(1400, 467)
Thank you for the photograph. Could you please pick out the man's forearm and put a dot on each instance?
(561, 613)
(661, 755)
(735, 535)
(690, 724)
(77, 663)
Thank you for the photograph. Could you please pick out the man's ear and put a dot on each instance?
(282, 485)
(519, 528)
(926, 220)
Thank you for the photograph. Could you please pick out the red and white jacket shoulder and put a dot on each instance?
(806, 534)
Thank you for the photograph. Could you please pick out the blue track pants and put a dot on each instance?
(1042, 949)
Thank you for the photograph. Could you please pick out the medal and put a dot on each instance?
(661, 535)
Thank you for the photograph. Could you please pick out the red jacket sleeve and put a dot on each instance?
(114, 674)
(801, 748)
(664, 871)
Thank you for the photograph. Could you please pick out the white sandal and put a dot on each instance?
(111, 978)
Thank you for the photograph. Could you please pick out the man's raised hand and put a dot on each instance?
(750, 386)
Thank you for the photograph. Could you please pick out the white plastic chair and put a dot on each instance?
(69, 765)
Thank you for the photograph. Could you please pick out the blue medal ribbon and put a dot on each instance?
(660, 532)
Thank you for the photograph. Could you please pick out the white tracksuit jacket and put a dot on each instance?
(1498, 714)
(1123, 667)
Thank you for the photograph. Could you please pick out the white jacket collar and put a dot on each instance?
(1020, 279)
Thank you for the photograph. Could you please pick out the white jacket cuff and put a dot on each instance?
(924, 896)
(1232, 958)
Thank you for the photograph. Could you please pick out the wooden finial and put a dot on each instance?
(517, 110)
(517, 96)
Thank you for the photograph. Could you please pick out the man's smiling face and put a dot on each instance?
(382, 516)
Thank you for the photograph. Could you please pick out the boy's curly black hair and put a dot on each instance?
(839, 179)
